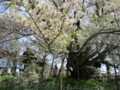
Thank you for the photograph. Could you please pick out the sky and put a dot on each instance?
(103, 69)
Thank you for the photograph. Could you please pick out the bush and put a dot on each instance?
(6, 78)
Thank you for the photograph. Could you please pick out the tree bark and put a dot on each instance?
(108, 71)
(44, 58)
(51, 67)
(62, 62)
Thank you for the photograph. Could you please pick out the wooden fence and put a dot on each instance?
(38, 86)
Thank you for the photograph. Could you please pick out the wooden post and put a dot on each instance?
(116, 77)
(61, 81)
(62, 62)
(61, 75)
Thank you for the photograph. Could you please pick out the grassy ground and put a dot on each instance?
(5, 78)
(84, 83)
(47, 81)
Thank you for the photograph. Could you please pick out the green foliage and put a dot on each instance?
(47, 80)
(5, 78)
(83, 83)
(52, 84)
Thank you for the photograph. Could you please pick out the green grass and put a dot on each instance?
(6, 78)
(75, 83)
(48, 82)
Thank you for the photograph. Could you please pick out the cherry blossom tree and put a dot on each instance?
(86, 32)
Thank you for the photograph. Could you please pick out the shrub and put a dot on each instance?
(5, 78)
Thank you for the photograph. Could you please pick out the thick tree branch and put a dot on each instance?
(107, 31)
(101, 56)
